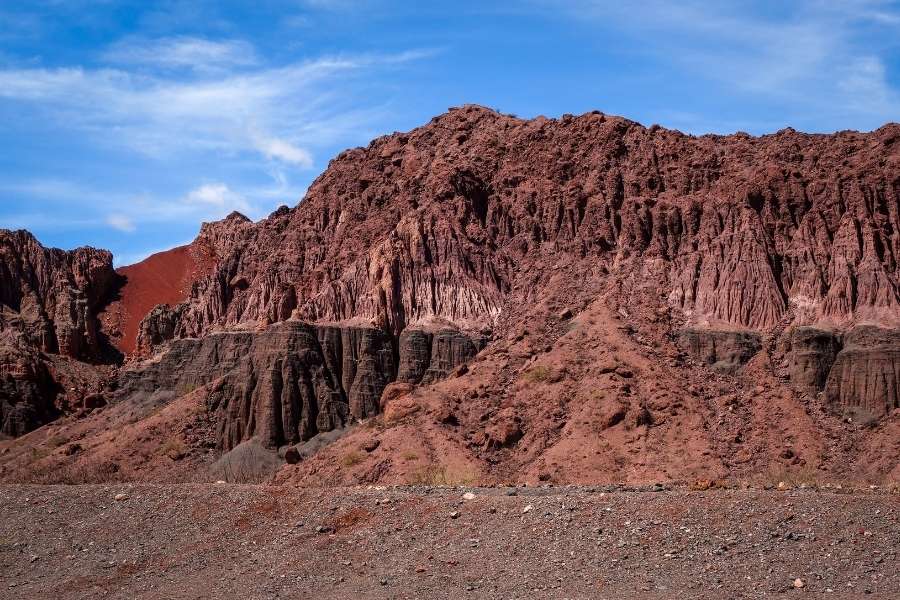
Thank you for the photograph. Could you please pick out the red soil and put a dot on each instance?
(162, 278)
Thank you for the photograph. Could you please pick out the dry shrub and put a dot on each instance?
(174, 448)
(352, 458)
(81, 472)
(441, 475)
(539, 374)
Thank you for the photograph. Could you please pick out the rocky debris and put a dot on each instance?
(866, 372)
(669, 544)
(724, 351)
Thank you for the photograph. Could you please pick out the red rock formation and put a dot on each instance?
(163, 278)
(443, 221)
(543, 252)
(51, 296)
(49, 300)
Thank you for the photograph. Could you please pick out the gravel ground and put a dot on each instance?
(224, 541)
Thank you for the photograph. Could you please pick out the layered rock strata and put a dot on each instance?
(293, 380)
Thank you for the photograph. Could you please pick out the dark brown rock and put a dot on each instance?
(27, 388)
(812, 354)
(292, 456)
(866, 372)
(724, 351)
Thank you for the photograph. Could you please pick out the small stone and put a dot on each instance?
(121, 497)
(468, 496)
(371, 445)
(799, 583)
(527, 509)
(512, 493)
(454, 515)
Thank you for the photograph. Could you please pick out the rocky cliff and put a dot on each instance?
(49, 300)
(598, 278)
(457, 220)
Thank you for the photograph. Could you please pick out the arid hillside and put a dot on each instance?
(489, 299)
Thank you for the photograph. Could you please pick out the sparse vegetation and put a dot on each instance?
(540, 373)
(174, 448)
(409, 455)
(351, 458)
(440, 475)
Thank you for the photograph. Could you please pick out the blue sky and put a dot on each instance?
(125, 124)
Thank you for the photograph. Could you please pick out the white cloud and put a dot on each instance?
(282, 150)
(120, 222)
(183, 52)
(218, 195)
(278, 113)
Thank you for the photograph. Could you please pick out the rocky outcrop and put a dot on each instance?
(866, 372)
(27, 388)
(445, 221)
(426, 357)
(49, 301)
(291, 381)
(52, 297)
(812, 354)
(724, 351)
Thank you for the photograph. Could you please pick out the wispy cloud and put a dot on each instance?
(120, 222)
(127, 212)
(279, 113)
(218, 195)
(184, 52)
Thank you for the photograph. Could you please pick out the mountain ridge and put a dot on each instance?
(567, 281)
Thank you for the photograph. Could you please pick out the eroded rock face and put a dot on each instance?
(52, 296)
(426, 357)
(289, 382)
(724, 351)
(866, 372)
(48, 304)
(444, 221)
(813, 352)
(27, 389)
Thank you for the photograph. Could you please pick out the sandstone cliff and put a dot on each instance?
(576, 296)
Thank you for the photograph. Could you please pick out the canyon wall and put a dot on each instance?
(294, 380)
